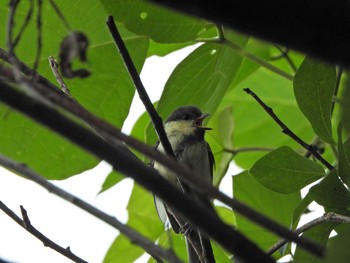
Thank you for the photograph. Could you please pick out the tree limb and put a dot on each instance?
(25, 223)
(329, 217)
(135, 237)
(288, 132)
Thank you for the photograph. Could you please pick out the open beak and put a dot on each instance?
(199, 122)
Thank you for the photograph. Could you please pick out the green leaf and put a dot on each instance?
(112, 179)
(219, 138)
(338, 247)
(330, 192)
(160, 24)
(200, 79)
(107, 89)
(279, 207)
(314, 86)
(318, 234)
(285, 171)
(300, 209)
(344, 161)
(122, 250)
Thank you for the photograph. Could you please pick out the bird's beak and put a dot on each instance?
(199, 122)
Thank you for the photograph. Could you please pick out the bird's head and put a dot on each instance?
(187, 120)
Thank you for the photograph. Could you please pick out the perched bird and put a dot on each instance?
(185, 131)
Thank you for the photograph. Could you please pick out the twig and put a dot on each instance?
(54, 95)
(134, 236)
(39, 34)
(156, 119)
(54, 67)
(13, 4)
(25, 223)
(284, 54)
(287, 131)
(329, 217)
(249, 149)
(60, 14)
(24, 25)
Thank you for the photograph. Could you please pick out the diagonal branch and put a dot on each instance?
(288, 132)
(329, 217)
(135, 237)
(25, 223)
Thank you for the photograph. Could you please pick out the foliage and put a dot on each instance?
(211, 77)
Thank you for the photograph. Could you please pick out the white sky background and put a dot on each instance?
(61, 221)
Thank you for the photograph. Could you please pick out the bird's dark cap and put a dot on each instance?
(185, 113)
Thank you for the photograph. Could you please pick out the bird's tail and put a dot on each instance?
(206, 251)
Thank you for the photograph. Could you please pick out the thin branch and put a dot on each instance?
(25, 223)
(329, 217)
(39, 34)
(284, 54)
(156, 119)
(24, 25)
(54, 95)
(60, 14)
(288, 132)
(134, 236)
(249, 149)
(54, 67)
(221, 39)
(13, 4)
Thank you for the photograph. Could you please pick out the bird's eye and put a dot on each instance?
(186, 117)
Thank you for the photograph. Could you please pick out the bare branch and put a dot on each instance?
(39, 34)
(288, 132)
(25, 223)
(135, 237)
(60, 14)
(329, 217)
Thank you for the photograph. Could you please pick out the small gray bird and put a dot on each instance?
(185, 131)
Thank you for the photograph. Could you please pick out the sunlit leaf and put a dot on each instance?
(285, 171)
(314, 86)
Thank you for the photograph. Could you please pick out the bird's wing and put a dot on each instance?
(211, 161)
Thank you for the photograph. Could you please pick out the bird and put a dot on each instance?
(185, 131)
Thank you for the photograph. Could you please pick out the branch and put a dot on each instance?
(25, 223)
(144, 175)
(288, 132)
(309, 32)
(134, 236)
(329, 217)
(156, 119)
(249, 149)
(54, 67)
(55, 96)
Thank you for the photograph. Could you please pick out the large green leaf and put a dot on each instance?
(107, 92)
(253, 126)
(338, 246)
(277, 206)
(160, 24)
(286, 171)
(314, 86)
(331, 192)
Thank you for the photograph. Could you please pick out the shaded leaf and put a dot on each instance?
(285, 171)
(314, 86)
(338, 247)
(319, 234)
(279, 207)
(330, 192)
(300, 209)
(141, 17)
